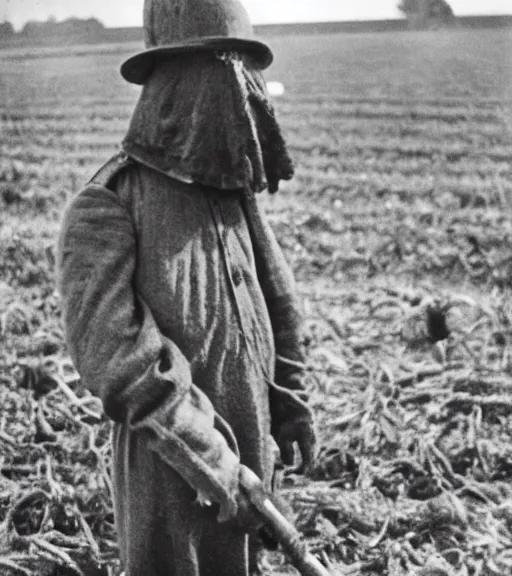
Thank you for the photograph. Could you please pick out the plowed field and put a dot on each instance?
(398, 226)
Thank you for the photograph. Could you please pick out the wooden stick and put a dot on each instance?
(287, 535)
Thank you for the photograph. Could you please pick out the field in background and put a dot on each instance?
(398, 226)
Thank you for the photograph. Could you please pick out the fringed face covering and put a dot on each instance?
(208, 116)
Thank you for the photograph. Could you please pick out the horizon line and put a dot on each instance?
(294, 23)
(280, 22)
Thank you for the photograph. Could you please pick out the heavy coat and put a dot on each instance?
(176, 297)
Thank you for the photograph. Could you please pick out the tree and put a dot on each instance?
(6, 30)
(427, 13)
(72, 27)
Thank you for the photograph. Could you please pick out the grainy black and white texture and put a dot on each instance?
(400, 202)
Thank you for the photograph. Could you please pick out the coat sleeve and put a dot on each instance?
(287, 395)
(142, 377)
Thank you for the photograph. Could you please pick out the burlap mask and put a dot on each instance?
(207, 116)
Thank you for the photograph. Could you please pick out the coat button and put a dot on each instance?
(237, 275)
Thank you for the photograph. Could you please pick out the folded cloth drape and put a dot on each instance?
(208, 116)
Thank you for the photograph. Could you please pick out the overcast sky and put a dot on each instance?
(129, 12)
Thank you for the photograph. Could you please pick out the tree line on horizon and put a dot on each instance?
(420, 14)
(51, 27)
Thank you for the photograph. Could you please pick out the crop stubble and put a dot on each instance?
(398, 226)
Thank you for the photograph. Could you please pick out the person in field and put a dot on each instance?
(179, 307)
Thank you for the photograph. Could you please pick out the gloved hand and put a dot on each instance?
(301, 431)
(251, 522)
(293, 422)
(291, 418)
(247, 519)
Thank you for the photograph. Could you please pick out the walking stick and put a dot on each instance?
(286, 534)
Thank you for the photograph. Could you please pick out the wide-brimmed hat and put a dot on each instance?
(183, 26)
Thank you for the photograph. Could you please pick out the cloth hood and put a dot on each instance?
(207, 117)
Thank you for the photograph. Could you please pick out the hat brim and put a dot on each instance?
(138, 68)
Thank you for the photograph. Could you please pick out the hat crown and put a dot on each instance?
(173, 27)
(168, 22)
